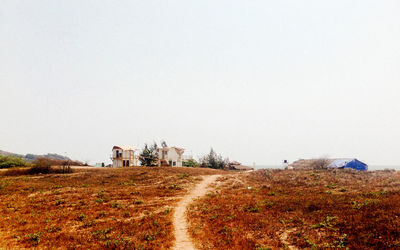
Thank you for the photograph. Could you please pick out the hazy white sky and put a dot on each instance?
(260, 81)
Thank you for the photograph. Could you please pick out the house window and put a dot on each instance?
(174, 164)
(170, 163)
(123, 163)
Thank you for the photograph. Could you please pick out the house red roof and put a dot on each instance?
(124, 148)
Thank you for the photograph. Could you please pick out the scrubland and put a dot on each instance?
(314, 209)
(99, 208)
(132, 208)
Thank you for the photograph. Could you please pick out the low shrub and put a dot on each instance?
(34, 238)
(11, 161)
(42, 166)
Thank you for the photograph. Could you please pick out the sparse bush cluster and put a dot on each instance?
(43, 166)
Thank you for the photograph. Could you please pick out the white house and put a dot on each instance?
(123, 156)
(170, 156)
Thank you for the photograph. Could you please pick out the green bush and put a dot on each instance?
(11, 161)
(191, 163)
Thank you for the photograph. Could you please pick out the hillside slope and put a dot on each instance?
(32, 157)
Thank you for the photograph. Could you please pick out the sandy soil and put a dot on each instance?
(182, 239)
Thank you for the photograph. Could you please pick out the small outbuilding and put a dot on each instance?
(348, 163)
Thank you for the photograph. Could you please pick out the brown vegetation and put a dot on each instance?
(302, 164)
(99, 208)
(271, 209)
(44, 166)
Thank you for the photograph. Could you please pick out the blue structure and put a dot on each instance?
(348, 163)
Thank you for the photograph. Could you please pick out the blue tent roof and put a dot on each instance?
(348, 163)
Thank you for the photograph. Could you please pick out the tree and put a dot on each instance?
(191, 163)
(213, 160)
(11, 161)
(164, 144)
(149, 155)
(66, 167)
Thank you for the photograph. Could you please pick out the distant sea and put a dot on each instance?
(370, 167)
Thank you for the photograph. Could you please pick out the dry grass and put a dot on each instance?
(305, 209)
(104, 208)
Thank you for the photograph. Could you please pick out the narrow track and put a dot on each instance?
(182, 238)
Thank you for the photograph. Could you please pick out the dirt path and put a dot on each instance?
(284, 237)
(182, 239)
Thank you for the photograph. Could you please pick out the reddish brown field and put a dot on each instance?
(99, 208)
(304, 209)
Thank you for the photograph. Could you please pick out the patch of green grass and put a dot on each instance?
(262, 247)
(53, 229)
(129, 183)
(211, 195)
(148, 237)
(102, 214)
(34, 238)
(331, 186)
(102, 234)
(116, 205)
(183, 175)
(81, 217)
(60, 201)
(339, 243)
(4, 184)
(328, 222)
(89, 223)
(252, 209)
(267, 203)
(166, 211)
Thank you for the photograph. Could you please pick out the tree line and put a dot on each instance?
(149, 157)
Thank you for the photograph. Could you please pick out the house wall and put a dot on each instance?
(126, 155)
(172, 156)
(117, 163)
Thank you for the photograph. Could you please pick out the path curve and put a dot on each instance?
(182, 238)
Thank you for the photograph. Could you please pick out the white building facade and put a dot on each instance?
(123, 156)
(171, 156)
